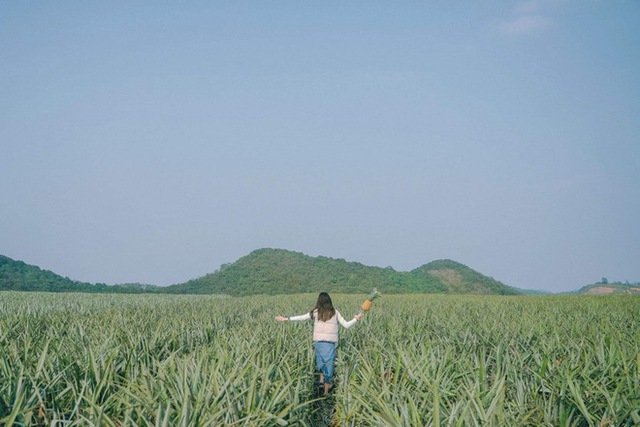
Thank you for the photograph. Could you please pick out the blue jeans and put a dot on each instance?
(325, 358)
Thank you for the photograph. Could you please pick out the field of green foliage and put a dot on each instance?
(193, 360)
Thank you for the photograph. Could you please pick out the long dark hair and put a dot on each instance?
(324, 307)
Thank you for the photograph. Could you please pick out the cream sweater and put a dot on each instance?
(325, 331)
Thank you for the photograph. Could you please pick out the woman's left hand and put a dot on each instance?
(281, 319)
(359, 316)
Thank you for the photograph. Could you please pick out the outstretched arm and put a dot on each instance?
(351, 322)
(305, 316)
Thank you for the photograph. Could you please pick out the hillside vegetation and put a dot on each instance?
(19, 276)
(278, 271)
(460, 279)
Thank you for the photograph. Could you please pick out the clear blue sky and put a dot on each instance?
(153, 141)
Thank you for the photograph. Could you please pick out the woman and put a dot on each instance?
(325, 334)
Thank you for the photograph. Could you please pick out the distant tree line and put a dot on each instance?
(19, 276)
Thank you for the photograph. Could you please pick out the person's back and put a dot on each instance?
(328, 330)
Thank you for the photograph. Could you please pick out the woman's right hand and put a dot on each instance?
(281, 319)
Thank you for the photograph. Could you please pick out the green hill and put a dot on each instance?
(19, 276)
(460, 279)
(278, 271)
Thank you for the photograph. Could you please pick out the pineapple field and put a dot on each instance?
(413, 360)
